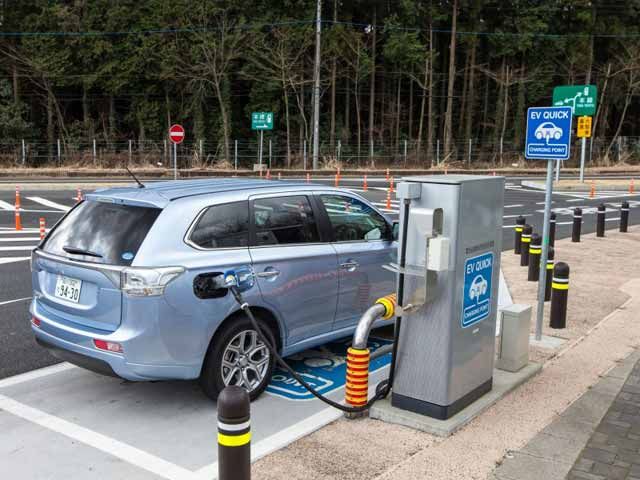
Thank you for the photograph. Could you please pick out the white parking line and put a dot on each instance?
(13, 231)
(280, 439)
(16, 249)
(514, 206)
(8, 302)
(111, 446)
(49, 203)
(35, 374)
(511, 216)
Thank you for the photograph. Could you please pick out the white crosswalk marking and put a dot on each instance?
(20, 239)
(6, 206)
(17, 249)
(49, 203)
(4, 260)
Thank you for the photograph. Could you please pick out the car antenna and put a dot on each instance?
(140, 184)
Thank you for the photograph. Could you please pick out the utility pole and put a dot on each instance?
(316, 90)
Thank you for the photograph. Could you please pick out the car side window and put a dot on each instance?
(223, 226)
(284, 220)
(353, 220)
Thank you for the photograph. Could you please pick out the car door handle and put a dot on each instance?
(268, 274)
(349, 266)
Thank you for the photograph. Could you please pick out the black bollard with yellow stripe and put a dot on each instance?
(624, 217)
(602, 211)
(549, 275)
(535, 251)
(526, 240)
(577, 225)
(559, 295)
(520, 221)
(552, 229)
(234, 434)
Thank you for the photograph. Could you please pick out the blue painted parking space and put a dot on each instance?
(324, 368)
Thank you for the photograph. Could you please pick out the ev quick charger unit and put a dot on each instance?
(447, 340)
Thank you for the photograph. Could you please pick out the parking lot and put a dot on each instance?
(166, 429)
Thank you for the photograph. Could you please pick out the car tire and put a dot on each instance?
(226, 343)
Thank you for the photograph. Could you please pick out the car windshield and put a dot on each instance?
(101, 232)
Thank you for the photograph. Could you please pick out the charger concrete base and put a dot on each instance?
(503, 383)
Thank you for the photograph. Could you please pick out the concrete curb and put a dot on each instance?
(503, 383)
(552, 453)
(577, 188)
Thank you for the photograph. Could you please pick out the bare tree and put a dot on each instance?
(276, 56)
(215, 50)
(629, 59)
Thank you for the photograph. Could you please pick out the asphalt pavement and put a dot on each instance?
(19, 352)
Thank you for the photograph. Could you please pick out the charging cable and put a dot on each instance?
(380, 392)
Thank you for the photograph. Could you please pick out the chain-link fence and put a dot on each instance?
(244, 154)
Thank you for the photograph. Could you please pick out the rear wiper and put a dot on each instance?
(80, 251)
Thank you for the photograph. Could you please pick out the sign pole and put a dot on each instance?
(175, 161)
(545, 249)
(583, 151)
(260, 152)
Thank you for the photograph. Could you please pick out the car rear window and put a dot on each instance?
(101, 232)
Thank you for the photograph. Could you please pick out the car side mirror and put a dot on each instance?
(395, 232)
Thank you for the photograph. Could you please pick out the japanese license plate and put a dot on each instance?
(68, 288)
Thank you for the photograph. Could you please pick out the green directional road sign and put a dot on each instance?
(262, 121)
(581, 98)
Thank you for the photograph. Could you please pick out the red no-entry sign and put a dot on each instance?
(176, 133)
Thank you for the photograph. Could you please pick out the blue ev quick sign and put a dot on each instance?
(324, 368)
(548, 133)
(476, 303)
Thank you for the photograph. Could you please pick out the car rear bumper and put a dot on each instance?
(76, 346)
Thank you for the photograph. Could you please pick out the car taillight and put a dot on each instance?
(35, 321)
(108, 346)
(146, 282)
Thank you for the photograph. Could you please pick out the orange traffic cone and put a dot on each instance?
(365, 187)
(17, 196)
(308, 178)
(337, 182)
(389, 199)
(592, 191)
(18, 221)
(42, 228)
(494, 173)
(387, 174)
(632, 187)
(78, 195)
(391, 185)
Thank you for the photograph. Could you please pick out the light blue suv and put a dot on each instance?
(123, 284)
